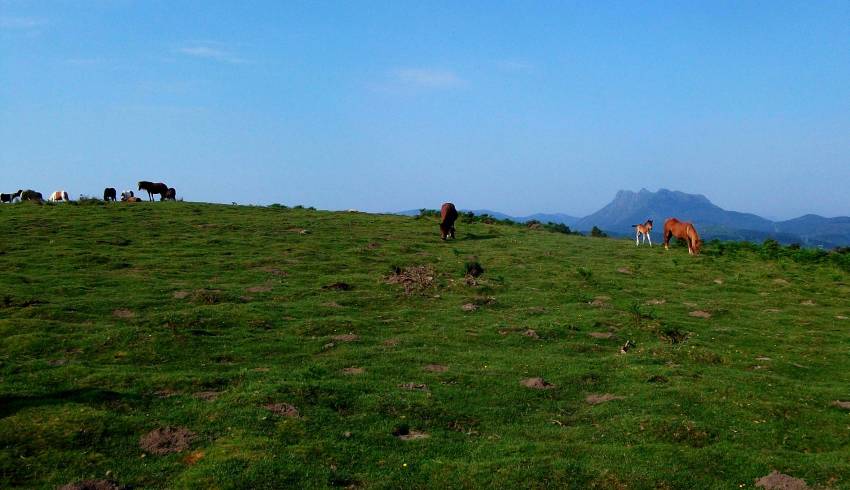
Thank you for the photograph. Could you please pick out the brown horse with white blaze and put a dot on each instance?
(448, 216)
(684, 231)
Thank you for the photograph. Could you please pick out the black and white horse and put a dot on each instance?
(10, 197)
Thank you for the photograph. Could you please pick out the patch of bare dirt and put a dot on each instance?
(414, 386)
(841, 404)
(166, 393)
(207, 396)
(181, 294)
(625, 270)
(596, 399)
(436, 368)
(718, 281)
(406, 434)
(207, 296)
(690, 304)
(601, 335)
(656, 302)
(346, 337)
(840, 317)
(531, 333)
(57, 362)
(700, 314)
(338, 286)
(166, 440)
(123, 313)
(763, 359)
(193, 458)
(537, 384)
(259, 289)
(246, 298)
(261, 370)
(779, 481)
(600, 301)
(391, 342)
(282, 409)
(537, 310)
(772, 310)
(332, 304)
(781, 282)
(353, 371)
(808, 302)
(469, 307)
(373, 245)
(92, 485)
(413, 279)
(275, 271)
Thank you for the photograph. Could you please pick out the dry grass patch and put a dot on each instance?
(415, 279)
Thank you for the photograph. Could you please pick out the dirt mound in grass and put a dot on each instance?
(537, 384)
(779, 481)
(406, 434)
(596, 399)
(207, 396)
(531, 333)
(181, 294)
(436, 368)
(92, 485)
(600, 301)
(700, 314)
(841, 404)
(469, 307)
(258, 289)
(808, 302)
(414, 386)
(275, 271)
(601, 335)
(781, 282)
(282, 409)
(625, 270)
(166, 440)
(353, 370)
(656, 302)
(123, 313)
(347, 337)
(391, 342)
(413, 279)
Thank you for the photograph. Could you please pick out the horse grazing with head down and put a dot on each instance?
(448, 216)
(170, 194)
(59, 196)
(153, 188)
(110, 194)
(684, 231)
(31, 195)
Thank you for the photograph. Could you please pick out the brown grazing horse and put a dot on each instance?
(153, 188)
(685, 231)
(448, 215)
(643, 231)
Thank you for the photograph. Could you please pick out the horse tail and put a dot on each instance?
(635, 226)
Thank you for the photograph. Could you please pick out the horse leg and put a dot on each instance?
(637, 235)
(667, 240)
(650, 239)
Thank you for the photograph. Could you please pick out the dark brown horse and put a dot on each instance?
(685, 231)
(110, 194)
(448, 216)
(31, 195)
(153, 188)
(171, 194)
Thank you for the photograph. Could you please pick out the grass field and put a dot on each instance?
(234, 324)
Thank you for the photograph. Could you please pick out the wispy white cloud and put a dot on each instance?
(513, 65)
(429, 78)
(211, 51)
(21, 23)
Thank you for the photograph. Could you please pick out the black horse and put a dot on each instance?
(31, 195)
(153, 188)
(110, 194)
(10, 197)
(171, 194)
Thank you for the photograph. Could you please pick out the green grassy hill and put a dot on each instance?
(235, 326)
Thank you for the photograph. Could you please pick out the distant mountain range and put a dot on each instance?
(629, 208)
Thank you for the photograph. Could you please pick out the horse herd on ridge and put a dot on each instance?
(109, 194)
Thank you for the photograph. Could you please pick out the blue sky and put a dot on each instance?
(515, 106)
